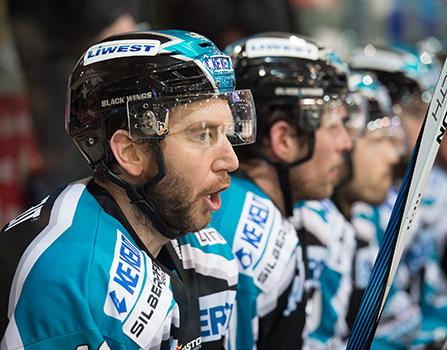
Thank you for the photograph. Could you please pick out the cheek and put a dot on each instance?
(412, 128)
(324, 155)
(184, 157)
(189, 164)
(363, 163)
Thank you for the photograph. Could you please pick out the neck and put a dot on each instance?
(149, 235)
(344, 203)
(265, 176)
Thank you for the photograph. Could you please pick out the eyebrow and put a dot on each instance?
(208, 123)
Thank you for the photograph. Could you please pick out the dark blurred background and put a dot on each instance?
(40, 42)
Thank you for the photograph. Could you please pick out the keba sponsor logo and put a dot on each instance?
(121, 48)
(126, 275)
(215, 314)
(252, 229)
(217, 63)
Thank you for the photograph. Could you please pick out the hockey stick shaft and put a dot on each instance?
(396, 233)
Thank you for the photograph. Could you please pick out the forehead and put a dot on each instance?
(213, 109)
(334, 112)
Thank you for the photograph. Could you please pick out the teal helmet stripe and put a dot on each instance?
(222, 80)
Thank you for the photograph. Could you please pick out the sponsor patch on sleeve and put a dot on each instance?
(279, 47)
(252, 231)
(152, 309)
(264, 242)
(121, 48)
(126, 278)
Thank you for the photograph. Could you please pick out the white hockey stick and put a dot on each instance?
(408, 199)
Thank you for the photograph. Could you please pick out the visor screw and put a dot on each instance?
(91, 141)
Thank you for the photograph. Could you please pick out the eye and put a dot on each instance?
(203, 135)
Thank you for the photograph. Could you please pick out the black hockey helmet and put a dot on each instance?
(132, 81)
(284, 69)
(404, 71)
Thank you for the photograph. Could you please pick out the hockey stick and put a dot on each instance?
(408, 199)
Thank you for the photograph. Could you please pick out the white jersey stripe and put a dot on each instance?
(11, 339)
(58, 224)
(209, 264)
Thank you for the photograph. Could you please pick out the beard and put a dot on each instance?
(172, 199)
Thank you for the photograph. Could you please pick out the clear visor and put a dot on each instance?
(368, 116)
(386, 127)
(333, 111)
(200, 120)
(358, 113)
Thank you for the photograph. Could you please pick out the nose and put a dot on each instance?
(226, 159)
(344, 140)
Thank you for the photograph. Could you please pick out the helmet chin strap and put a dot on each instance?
(138, 197)
(283, 171)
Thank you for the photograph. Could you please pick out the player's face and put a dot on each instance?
(316, 178)
(197, 162)
(373, 158)
(412, 117)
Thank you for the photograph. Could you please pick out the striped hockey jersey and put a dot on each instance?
(74, 275)
(270, 308)
(330, 243)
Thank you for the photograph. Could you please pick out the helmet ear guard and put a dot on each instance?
(308, 119)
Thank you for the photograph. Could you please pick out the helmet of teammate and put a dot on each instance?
(405, 72)
(431, 49)
(284, 69)
(132, 81)
(371, 103)
(372, 112)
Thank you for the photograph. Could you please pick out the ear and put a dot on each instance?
(128, 155)
(284, 142)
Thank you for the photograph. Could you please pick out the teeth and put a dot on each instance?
(209, 197)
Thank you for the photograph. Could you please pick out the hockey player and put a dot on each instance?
(325, 226)
(299, 88)
(106, 262)
(410, 77)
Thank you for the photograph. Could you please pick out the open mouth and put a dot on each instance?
(213, 200)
